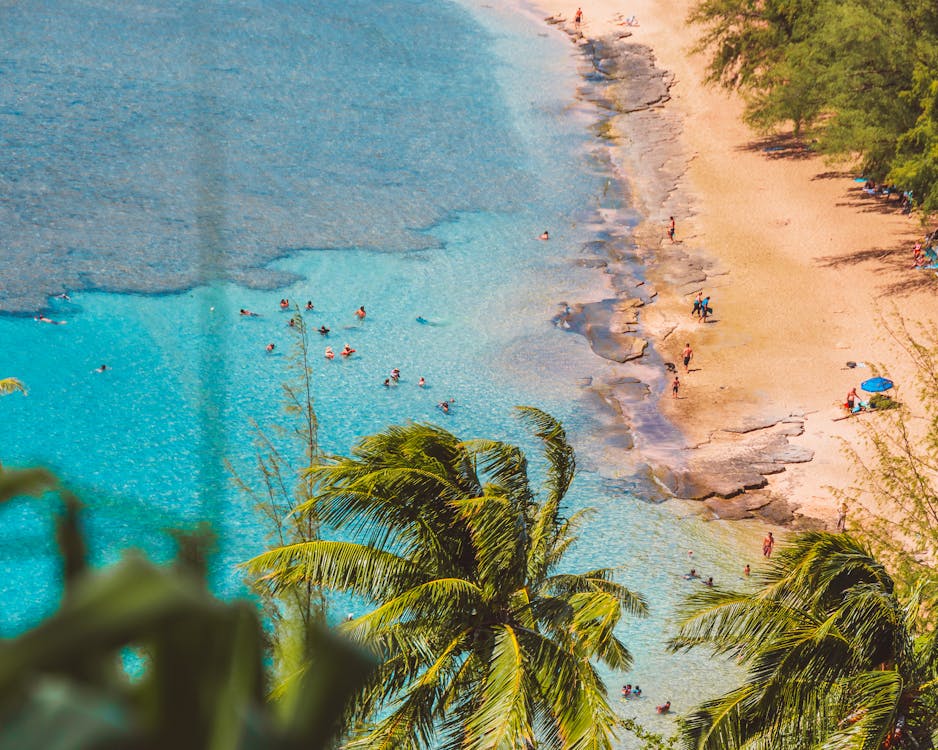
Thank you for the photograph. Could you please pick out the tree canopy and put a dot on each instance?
(484, 641)
(861, 77)
(835, 658)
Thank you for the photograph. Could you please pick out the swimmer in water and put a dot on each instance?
(693, 574)
(271, 347)
(64, 296)
(284, 304)
(395, 374)
(323, 331)
(709, 582)
(102, 368)
(636, 692)
(664, 708)
(421, 383)
(329, 353)
(360, 313)
(626, 691)
(292, 323)
(248, 313)
(422, 320)
(347, 351)
(309, 304)
(44, 319)
(545, 235)
(443, 406)
(747, 570)
(387, 382)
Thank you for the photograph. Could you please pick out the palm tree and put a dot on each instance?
(484, 644)
(9, 385)
(835, 659)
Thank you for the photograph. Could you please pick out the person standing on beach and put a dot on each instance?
(675, 387)
(767, 545)
(578, 18)
(704, 309)
(842, 518)
(671, 229)
(698, 303)
(688, 355)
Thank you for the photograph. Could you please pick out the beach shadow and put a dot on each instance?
(896, 259)
(861, 201)
(780, 146)
(833, 175)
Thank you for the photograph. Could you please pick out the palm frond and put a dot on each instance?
(341, 566)
(502, 720)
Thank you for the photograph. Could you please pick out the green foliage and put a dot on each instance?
(835, 659)
(861, 76)
(201, 684)
(283, 485)
(483, 643)
(895, 491)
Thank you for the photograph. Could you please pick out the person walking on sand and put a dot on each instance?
(704, 309)
(698, 303)
(675, 387)
(687, 355)
(768, 544)
(842, 518)
(578, 18)
(671, 229)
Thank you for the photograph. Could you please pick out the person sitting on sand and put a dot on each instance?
(545, 235)
(360, 313)
(248, 313)
(329, 353)
(664, 708)
(347, 351)
(323, 331)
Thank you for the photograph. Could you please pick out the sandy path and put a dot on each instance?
(807, 262)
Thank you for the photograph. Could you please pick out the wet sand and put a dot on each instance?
(800, 265)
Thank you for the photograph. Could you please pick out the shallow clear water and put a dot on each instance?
(415, 156)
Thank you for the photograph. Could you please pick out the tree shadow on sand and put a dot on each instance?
(780, 146)
(896, 259)
(859, 200)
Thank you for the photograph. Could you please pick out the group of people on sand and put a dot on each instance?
(925, 251)
(701, 309)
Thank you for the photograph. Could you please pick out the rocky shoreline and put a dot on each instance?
(729, 471)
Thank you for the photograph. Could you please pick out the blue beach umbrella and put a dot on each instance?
(876, 385)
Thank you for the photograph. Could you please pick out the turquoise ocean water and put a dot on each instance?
(168, 164)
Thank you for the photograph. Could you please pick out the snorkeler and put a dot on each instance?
(323, 331)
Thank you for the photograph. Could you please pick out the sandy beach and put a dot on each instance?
(800, 264)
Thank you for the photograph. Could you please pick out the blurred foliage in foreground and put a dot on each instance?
(201, 681)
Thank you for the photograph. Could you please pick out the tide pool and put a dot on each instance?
(401, 158)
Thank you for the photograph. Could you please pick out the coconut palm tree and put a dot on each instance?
(10, 385)
(835, 659)
(485, 644)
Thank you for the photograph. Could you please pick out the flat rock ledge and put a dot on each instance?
(738, 460)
